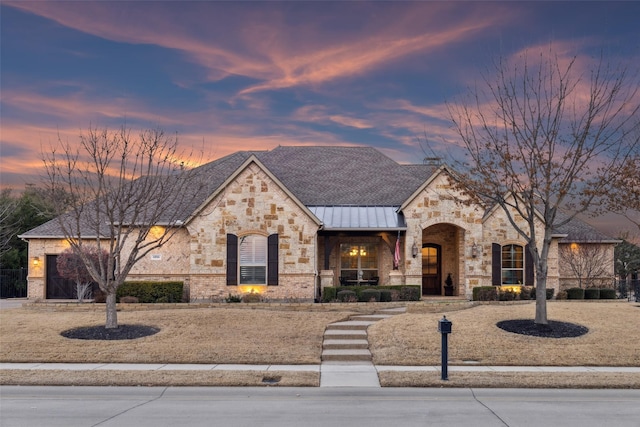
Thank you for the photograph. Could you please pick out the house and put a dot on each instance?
(288, 222)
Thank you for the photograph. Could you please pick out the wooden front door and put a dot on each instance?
(431, 276)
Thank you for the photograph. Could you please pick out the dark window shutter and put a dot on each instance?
(232, 260)
(272, 260)
(528, 266)
(496, 265)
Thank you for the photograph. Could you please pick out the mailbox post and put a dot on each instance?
(444, 327)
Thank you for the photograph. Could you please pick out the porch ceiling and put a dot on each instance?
(346, 218)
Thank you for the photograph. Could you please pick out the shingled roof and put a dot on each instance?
(316, 175)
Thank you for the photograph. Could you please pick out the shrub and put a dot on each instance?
(128, 299)
(485, 293)
(575, 293)
(410, 293)
(347, 296)
(506, 296)
(233, 298)
(151, 292)
(387, 293)
(369, 295)
(329, 293)
(251, 297)
(592, 293)
(549, 293)
(607, 293)
(525, 293)
(562, 295)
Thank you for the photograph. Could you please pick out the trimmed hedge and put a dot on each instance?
(151, 292)
(607, 293)
(549, 293)
(347, 296)
(485, 293)
(592, 293)
(369, 295)
(575, 293)
(386, 293)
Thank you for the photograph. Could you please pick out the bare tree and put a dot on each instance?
(588, 261)
(71, 266)
(8, 224)
(543, 137)
(125, 196)
(623, 192)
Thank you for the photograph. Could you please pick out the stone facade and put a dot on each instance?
(252, 201)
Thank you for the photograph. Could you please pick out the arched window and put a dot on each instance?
(252, 260)
(512, 265)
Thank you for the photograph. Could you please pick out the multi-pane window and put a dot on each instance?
(512, 264)
(429, 261)
(253, 260)
(358, 262)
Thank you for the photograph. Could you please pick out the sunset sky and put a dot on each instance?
(255, 75)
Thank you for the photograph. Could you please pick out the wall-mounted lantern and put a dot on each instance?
(414, 250)
(36, 261)
(475, 250)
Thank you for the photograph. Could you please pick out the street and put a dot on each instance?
(371, 407)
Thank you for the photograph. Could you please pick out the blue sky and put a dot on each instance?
(255, 75)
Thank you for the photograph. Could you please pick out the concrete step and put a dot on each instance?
(346, 355)
(345, 334)
(345, 344)
(393, 311)
(350, 325)
(370, 317)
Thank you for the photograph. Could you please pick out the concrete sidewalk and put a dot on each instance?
(332, 374)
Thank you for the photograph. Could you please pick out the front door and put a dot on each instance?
(431, 276)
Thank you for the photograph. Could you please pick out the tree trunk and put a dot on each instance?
(541, 302)
(112, 314)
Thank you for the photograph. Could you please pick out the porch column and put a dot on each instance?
(326, 278)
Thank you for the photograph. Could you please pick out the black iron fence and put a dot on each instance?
(13, 283)
(629, 289)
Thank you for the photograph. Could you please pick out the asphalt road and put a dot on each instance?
(370, 407)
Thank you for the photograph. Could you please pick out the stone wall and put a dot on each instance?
(442, 214)
(253, 204)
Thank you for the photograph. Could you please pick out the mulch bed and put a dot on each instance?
(553, 330)
(122, 332)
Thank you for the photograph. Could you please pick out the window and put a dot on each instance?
(430, 260)
(252, 260)
(358, 262)
(512, 265)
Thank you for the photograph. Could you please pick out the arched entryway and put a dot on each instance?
(442, 257)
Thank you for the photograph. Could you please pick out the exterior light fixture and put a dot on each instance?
(474, 250)
(414, 250)
(36, 261)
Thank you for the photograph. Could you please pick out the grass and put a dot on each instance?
(240, 336)
(413, 339)
(221, 336)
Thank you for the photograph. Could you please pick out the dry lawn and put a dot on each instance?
(412, 339)
(161, 378)
(511, 379)
(205, 335)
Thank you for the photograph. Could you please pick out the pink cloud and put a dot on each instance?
(261, 43)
